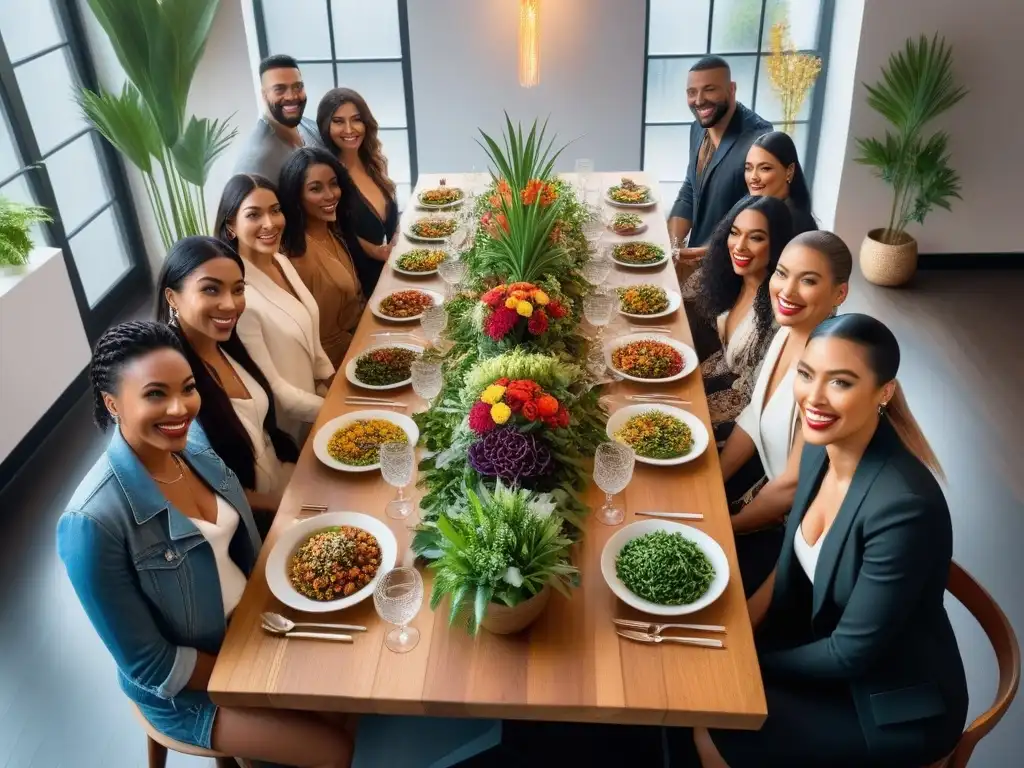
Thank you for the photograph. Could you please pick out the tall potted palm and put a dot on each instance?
(916, 87)
(159, 44)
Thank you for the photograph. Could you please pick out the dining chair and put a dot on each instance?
(158, 745)
(1000, 633)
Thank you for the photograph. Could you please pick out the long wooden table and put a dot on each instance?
(570, 665)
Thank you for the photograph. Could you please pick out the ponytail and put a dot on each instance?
(910, 434)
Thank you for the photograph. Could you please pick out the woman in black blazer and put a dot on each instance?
(860, 664)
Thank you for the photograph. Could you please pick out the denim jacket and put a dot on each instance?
(145, 575)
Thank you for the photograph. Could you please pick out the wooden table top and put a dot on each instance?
(570, 665)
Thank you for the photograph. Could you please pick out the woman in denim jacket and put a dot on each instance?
(155, 525)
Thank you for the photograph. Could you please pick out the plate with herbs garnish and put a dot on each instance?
(432, 229)
(628, 194)
(650, 358)
(406, 306)
(440, 197)
(659, 434)
(418, 262)
(664, 568)
(644, 301)
(385, 366)
(639, 255)
(627, 224)
(352, 442)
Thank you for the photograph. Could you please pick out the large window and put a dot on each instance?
(50, 156)
(679, 32)
(358, 44)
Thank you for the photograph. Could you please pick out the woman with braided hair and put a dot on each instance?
(157, 522)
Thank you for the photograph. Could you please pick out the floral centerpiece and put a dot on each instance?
(508, 307)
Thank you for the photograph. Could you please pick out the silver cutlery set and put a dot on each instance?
(653, 633)
(276, 624)
(374, 402)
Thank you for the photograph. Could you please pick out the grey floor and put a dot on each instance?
(963, 365)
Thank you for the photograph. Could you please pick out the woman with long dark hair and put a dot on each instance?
(313, 190)
(201, 295)
(860, 663)
(773, 169)
(349, 130)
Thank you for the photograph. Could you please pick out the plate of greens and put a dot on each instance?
(418, 262)
(644, 301)
(659, 434)
(385, 366)
(639, 255)
(664, 568)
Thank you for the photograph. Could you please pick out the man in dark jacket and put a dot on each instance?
(719, 140)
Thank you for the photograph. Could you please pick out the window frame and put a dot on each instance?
(817, 105)
(136, 278)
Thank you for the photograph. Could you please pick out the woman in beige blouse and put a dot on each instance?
(311, 186)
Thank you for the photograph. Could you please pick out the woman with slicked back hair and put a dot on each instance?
(773, 169)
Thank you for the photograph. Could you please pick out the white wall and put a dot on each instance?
(465, 72)
(984, 128)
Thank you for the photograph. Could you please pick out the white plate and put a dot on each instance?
(697, 429)
(437, 297)
(649, 204)
(638, 231)
(410, 235)
(350, 367)
(708, 545)
(689, 356)
(628, 265)
(675, 301)
(293, 537)
(443, 206)
(324, 434)
(399, 270)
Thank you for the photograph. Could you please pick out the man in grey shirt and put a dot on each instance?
(282, 128)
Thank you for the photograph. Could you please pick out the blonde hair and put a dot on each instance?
(909, 432)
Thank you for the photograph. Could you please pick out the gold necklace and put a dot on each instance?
(181, 473)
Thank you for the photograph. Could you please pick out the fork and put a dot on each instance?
(374, 401)
(656, 629)
(703, 642)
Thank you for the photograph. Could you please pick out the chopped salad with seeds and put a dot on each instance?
(643, 299)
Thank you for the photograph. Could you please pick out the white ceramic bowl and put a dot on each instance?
(409, 273)
(294, 536)
(689, 356)
(350, 367)
(628, 265)
(709, 546)
(375, 306)
(697, 429)
(324, 434)
(675, 301)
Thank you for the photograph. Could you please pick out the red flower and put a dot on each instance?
(500, 322)
(502, 221)
(516, 398)
(494, 297)
(538, 322)
(562, 416)
(548, 195)
(480, 420)
(556, 310)
(530, 411)
(547, 405)
(532, 191)
(502, 382)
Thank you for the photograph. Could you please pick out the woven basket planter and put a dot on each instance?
(888, 265)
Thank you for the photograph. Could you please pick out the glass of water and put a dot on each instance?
(453, 270)
(597, 309)
(433, 322)
(397, 461)
(597, 268)
(584, 171)
(397, 598)
(613, 469)
(426, 379)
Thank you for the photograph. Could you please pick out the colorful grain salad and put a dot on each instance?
(638, 253)
(358, 443)
(405, 304)
(643, 299)
(385, 365)
(647, 359)
(434, 228)
(655, 434)
(664, 568)
(629, 192)
(626, 223)
(420, 260)
(442, 195)
(334, 563)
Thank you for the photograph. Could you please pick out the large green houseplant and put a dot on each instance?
(916, 87)
(16, 244)
(159, 44)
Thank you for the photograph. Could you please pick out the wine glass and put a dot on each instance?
(397, 598)
(584, 167)
(433, 322)
(677, 249)
(453, 270)
(597, 309)
(426, 379)
(613, 469)
(597, 268)
(396, 467)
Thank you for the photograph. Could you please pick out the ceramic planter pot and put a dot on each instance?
(502, 620)
(889, 265)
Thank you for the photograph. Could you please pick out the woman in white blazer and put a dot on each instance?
(281, 325)
(810, 281)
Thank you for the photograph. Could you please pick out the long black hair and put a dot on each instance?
(882, 351)
(116, 348)
(780, 146)
(239, 187)
(217, 416)
(721, 286)
(289, 192)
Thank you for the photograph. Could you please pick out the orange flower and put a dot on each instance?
(533, 189)
(502, 220)
(505, 190)
(549, 195)
(494, 201)
(556, 232)
(547, 405)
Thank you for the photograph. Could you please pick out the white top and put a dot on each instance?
(807, 555)
(219, 535)
(772, 425)
(282, 334)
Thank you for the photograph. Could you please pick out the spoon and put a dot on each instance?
(275, 622)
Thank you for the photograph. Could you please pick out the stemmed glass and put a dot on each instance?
(597, 309)
(613, 469)
(433, 322)
(597, 268)
(397, 598)
(396, 467)
(426, 379)
(584, 168)
(453, 269)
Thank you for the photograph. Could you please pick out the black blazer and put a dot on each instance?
(877, 621)
(722, 185)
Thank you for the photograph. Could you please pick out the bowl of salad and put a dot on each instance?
(418, 261)
(406, 306)
(432, 229)
(639, 255)
(643, 301)
(385, 366)
(659, 434)
(352, 442)
(650, 358)
(628, 194)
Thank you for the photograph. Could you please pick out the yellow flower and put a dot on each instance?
(524, 308)
(500, 413)
(493, 394)
(511, 302)
(540, 298)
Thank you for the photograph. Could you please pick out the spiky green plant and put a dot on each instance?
(159, 44)
(916, 87)
(15, 221)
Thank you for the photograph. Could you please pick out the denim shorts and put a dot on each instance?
(187, 718)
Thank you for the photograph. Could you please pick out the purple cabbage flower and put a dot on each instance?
(511, 455)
